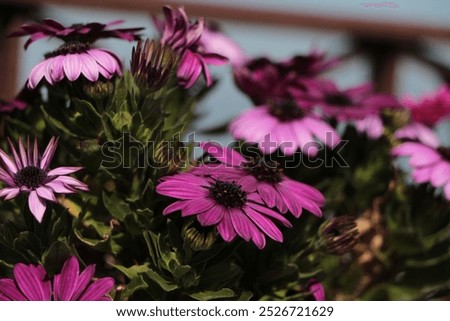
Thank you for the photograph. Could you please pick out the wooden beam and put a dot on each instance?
(361, 27)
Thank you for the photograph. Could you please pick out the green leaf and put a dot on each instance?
(116, 206)
(212, 295)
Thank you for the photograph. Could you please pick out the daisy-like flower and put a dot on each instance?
(430, 108)
(76, 57)
(31, 283)
(358, 105)
(90, 32)
(263, 79)
(184, 37)
(355, 103)
(72, 60)
(275, 188)
(283, 125)
(234, 207)
(430, 164)
(29, 173)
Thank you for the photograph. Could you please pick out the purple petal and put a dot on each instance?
(71, 182)
(65, 283)
(440, 174)
(48, 153)
(83, 280)
(89, 67)
(16, 157)
(318, 291)
(225, 228)
(31, 281)
(23, 154)
(57, 73)
(59, 187)
(10, 291)
(264, 224)
(6, 177)
(9, 192)
(97, 290)
(224, 155)
(46, 193)
(242, 225)
(63, 171)
(447, 191)
(268, 193)
(105, 59)
(10, 166)
(212, 216)
(36, 74)
(37, 206)
(72, 66)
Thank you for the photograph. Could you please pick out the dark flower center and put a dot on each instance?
(445, 153)
(71, 47)
(265, 170)
(30, 176)
(340, 100)
(228, 194)
(286, 111)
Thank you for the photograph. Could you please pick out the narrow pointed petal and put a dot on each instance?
(97, 290)
(16, 157)
(63, 171)
(32, 283)
(10, 166)
(212, 216)
(36, 74)
(9, 192)
(23, 154)
(83, 280)
(10, 291)
(264, 224)
(225, 228)
(46, 193)
(37, 206)
(48, 153)
(65, 283)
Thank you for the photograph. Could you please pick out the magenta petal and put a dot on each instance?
(9, 192)
(37, 206)
(318, 291)
(197, 206)
(72, 66)
(66, 282)
(48, 153)
(264, 224)
(212, 216)
(225, 227)
(89, 67)
(271, 213)
(63, 171)
(58, 69)
(268, 194)
(36, 74)
(224, 155)
(440, 174)
(83, 280)
(241, 223)
(32, 283)
(10, 291)
(10, 166)
(97, 290)
(46, 193)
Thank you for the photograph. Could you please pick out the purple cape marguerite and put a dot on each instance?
(429, 163)
(31, 283)
(28, 172)
(267, 178)
(233, 207)
(184, 38)
(286, 126)
(89, 32)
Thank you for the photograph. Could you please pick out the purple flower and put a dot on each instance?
(31, 283)
(72, 60)
(29, 173)
(429, 163)
(184, 38)
(355, 103)
(214, 41)
(417, 131)
(87, 33)
(233, 207)
(430, 108)
(263, 79)
(317, 290)
(267, 178)
(283, 125)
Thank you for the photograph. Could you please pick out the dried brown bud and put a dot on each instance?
(339, 234)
